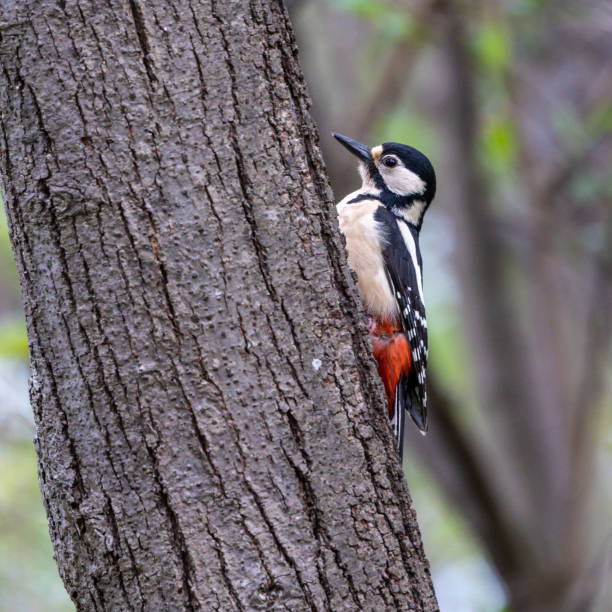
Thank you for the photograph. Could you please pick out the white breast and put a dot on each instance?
(363, 239)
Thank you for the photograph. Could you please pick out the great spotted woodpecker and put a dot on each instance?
(381, 222)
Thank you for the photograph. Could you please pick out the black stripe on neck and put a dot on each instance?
(393, 200)
(364, 196)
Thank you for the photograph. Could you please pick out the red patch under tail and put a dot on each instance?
(392, 352)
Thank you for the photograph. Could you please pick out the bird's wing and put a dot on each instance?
(402, 261)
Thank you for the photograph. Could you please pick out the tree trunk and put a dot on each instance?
(210, 431)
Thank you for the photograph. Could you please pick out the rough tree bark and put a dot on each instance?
(210, 431)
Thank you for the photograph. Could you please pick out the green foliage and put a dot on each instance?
(5, 246)
(26, 557)
(600, 119)
(492, 46)
(445, 343)
(403, 125)
(365, 9)
(498, 144)
(392, 23)
(445, 534)
(577, 135)
(13, 340)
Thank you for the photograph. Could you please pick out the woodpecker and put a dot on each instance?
(381, 222)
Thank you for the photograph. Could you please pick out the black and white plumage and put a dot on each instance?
(381, 222)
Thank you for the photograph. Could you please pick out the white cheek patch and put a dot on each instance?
(402, 181)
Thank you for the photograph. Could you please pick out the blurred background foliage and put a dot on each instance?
(512, 101)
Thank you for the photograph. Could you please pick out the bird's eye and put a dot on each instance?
(390, 162)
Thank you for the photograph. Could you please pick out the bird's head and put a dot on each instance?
(401, 176)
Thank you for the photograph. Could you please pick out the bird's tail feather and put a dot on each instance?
(407, 399)
(397, 424)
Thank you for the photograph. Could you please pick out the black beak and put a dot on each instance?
(356, 148)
